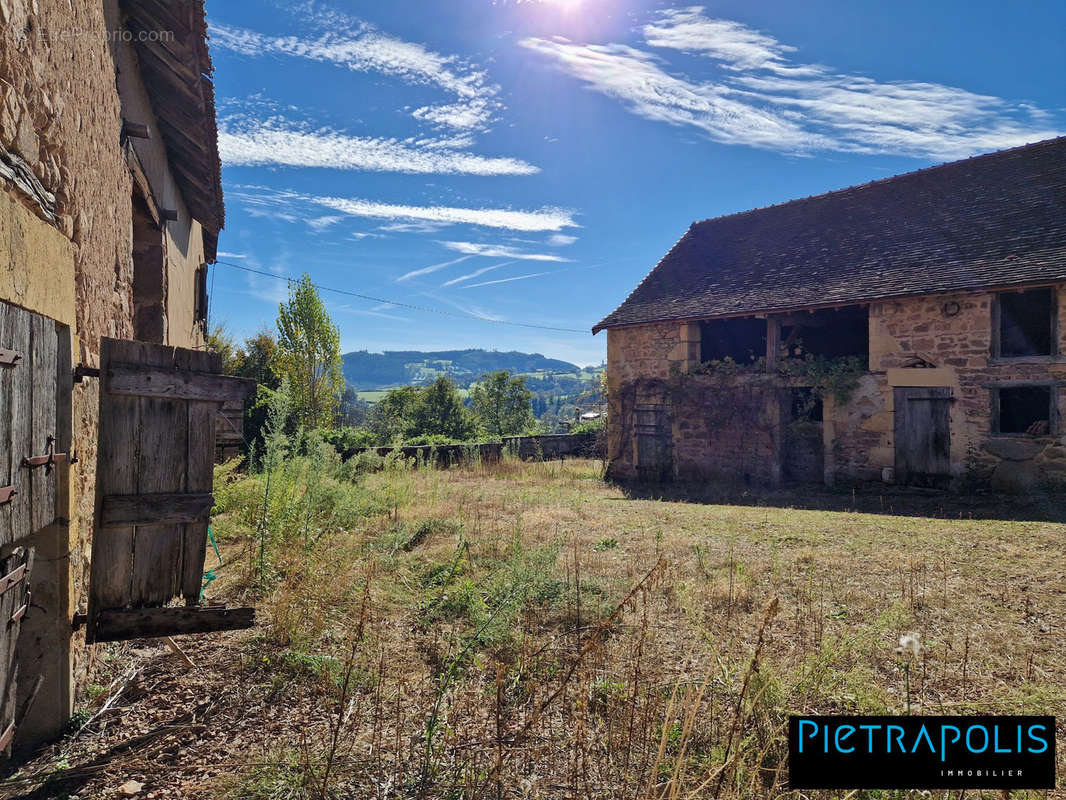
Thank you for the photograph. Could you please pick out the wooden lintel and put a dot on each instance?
(176, 384)
(120, 624)
(13, 578)
(154, 509)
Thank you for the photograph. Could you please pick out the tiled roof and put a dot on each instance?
(992, 220)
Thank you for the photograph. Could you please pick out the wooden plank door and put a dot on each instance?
(653, 442)
(923, 436)
(34, 350)
(153, 490)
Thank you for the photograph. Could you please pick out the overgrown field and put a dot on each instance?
(526, 630)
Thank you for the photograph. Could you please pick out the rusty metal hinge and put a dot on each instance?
(48, 460)
(13, 578)
(6, 493)
(82, 371)
(9, 358)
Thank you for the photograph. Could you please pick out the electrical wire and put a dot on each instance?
(411, 306)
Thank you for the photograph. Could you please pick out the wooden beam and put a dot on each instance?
(176, 384)
(13, 578)
(154, 509)
(120, 624)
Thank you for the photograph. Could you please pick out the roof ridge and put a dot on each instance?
(889, 179)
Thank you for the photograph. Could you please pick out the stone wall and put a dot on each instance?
(930, 341)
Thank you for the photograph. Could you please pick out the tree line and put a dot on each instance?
(301, 356)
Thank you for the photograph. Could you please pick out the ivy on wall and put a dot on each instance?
(838, 377)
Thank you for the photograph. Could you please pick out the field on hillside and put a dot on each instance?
(526, 630)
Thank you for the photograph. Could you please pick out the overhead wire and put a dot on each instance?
(400, 304)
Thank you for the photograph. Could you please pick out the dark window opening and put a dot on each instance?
(200, 311)
(1025, 409)
(830, 333)
(1027, 323)
(149, 276)
(743, 340)
(806, 405)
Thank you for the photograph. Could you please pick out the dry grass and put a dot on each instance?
(524, 630)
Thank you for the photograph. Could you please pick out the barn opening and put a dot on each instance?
(1027, 323)
(806, 405)
(1024, 409)
(149, 275)
(743, 340)
(832, 333)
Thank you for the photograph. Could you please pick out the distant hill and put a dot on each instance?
(374, 371)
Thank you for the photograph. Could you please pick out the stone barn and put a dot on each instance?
(110, 210)
(906, 331)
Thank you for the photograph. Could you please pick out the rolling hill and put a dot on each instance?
(368, 372)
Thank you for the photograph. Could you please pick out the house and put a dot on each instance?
(110, 211)
(905, 331)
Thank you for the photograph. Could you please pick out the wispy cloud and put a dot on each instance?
(244, 142)
(499, 251)
(322, 223)
(761, 98)
(431, 268)
(283, 204)
(476, 273)
(360, 47)
(222, 254)
(561, 240)
(546, 219)
(506, 280)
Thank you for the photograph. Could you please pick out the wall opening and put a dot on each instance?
(743, 340)
(1024, 410)
(149, 276)
(1027, 323)
(832, 333)
(806, 405)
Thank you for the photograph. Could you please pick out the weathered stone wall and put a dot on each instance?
(930, 341)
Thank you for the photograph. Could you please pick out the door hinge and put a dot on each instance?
(9, 358)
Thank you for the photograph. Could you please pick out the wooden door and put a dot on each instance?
(923, 436)
(34, 353)
(653, 442)
(154, 476)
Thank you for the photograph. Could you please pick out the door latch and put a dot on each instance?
(48, 461)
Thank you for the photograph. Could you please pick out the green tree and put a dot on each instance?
(220, 340)
(440, 412)
(393, 415)
(502, 404)
(308, 355)
(257, 355)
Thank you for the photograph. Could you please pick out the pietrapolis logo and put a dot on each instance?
(973, 752)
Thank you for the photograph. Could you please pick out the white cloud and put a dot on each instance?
(506, 280)
(222, 254)
(737, 45)
(256, 144)
(361, 48)
(413, 227)
(499, 251)
(475, 274)
(761, 98)
(321, 223)
(637, 79)
(561, 240)
(267, 202)
(430, 269)
(546, 219)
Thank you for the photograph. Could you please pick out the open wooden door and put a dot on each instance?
(153, 490)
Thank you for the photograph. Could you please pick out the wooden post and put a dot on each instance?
(773, 341)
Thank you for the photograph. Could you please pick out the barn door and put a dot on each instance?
(153, 490)
(653, 457)
(33, 446)
(923, 436)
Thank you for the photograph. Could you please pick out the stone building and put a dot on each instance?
(904, 331)
(109, 214)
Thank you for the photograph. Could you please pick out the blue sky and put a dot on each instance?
(531, 161)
